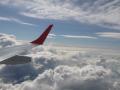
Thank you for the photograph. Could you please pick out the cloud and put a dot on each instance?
(100, 12)
(61, 68)
(21, 22)
(52, 35)
(71, 36)
(15, 20)
(4, 19)
(78, 37)
(7, 40)
(114, 35)
(67, 78)
(70, 78)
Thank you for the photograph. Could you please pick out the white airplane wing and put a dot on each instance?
(11, 55)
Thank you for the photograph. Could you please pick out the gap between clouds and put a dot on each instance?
(114, 35)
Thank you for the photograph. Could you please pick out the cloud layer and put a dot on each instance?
(100, 12)
(61, 69)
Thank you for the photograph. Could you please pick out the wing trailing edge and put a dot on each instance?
(40, 40)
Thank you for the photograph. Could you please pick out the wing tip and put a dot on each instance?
(41, 39)
(51, 25)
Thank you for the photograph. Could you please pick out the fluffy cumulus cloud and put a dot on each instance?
(101, 12)
(61, 69)
(7, 40)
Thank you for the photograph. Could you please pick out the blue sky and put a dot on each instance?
(84, 23)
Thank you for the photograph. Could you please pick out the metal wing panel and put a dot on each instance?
(16, 60)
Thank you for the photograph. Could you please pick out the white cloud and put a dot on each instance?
(71, 36)
(67, 78)
(78, 37)
(61, 69)
(15, 20)
(114, 35)
(21, 22)
(100, 12)
(4, 19)
(52, 35)
(7, 40)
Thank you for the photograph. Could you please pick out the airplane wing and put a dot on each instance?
(10, 54)
(16, 60)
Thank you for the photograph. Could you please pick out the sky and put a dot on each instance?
(82, 23)
(77, 23)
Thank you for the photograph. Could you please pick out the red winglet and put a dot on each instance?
(42, 38)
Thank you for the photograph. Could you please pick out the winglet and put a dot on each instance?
(41, 39)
